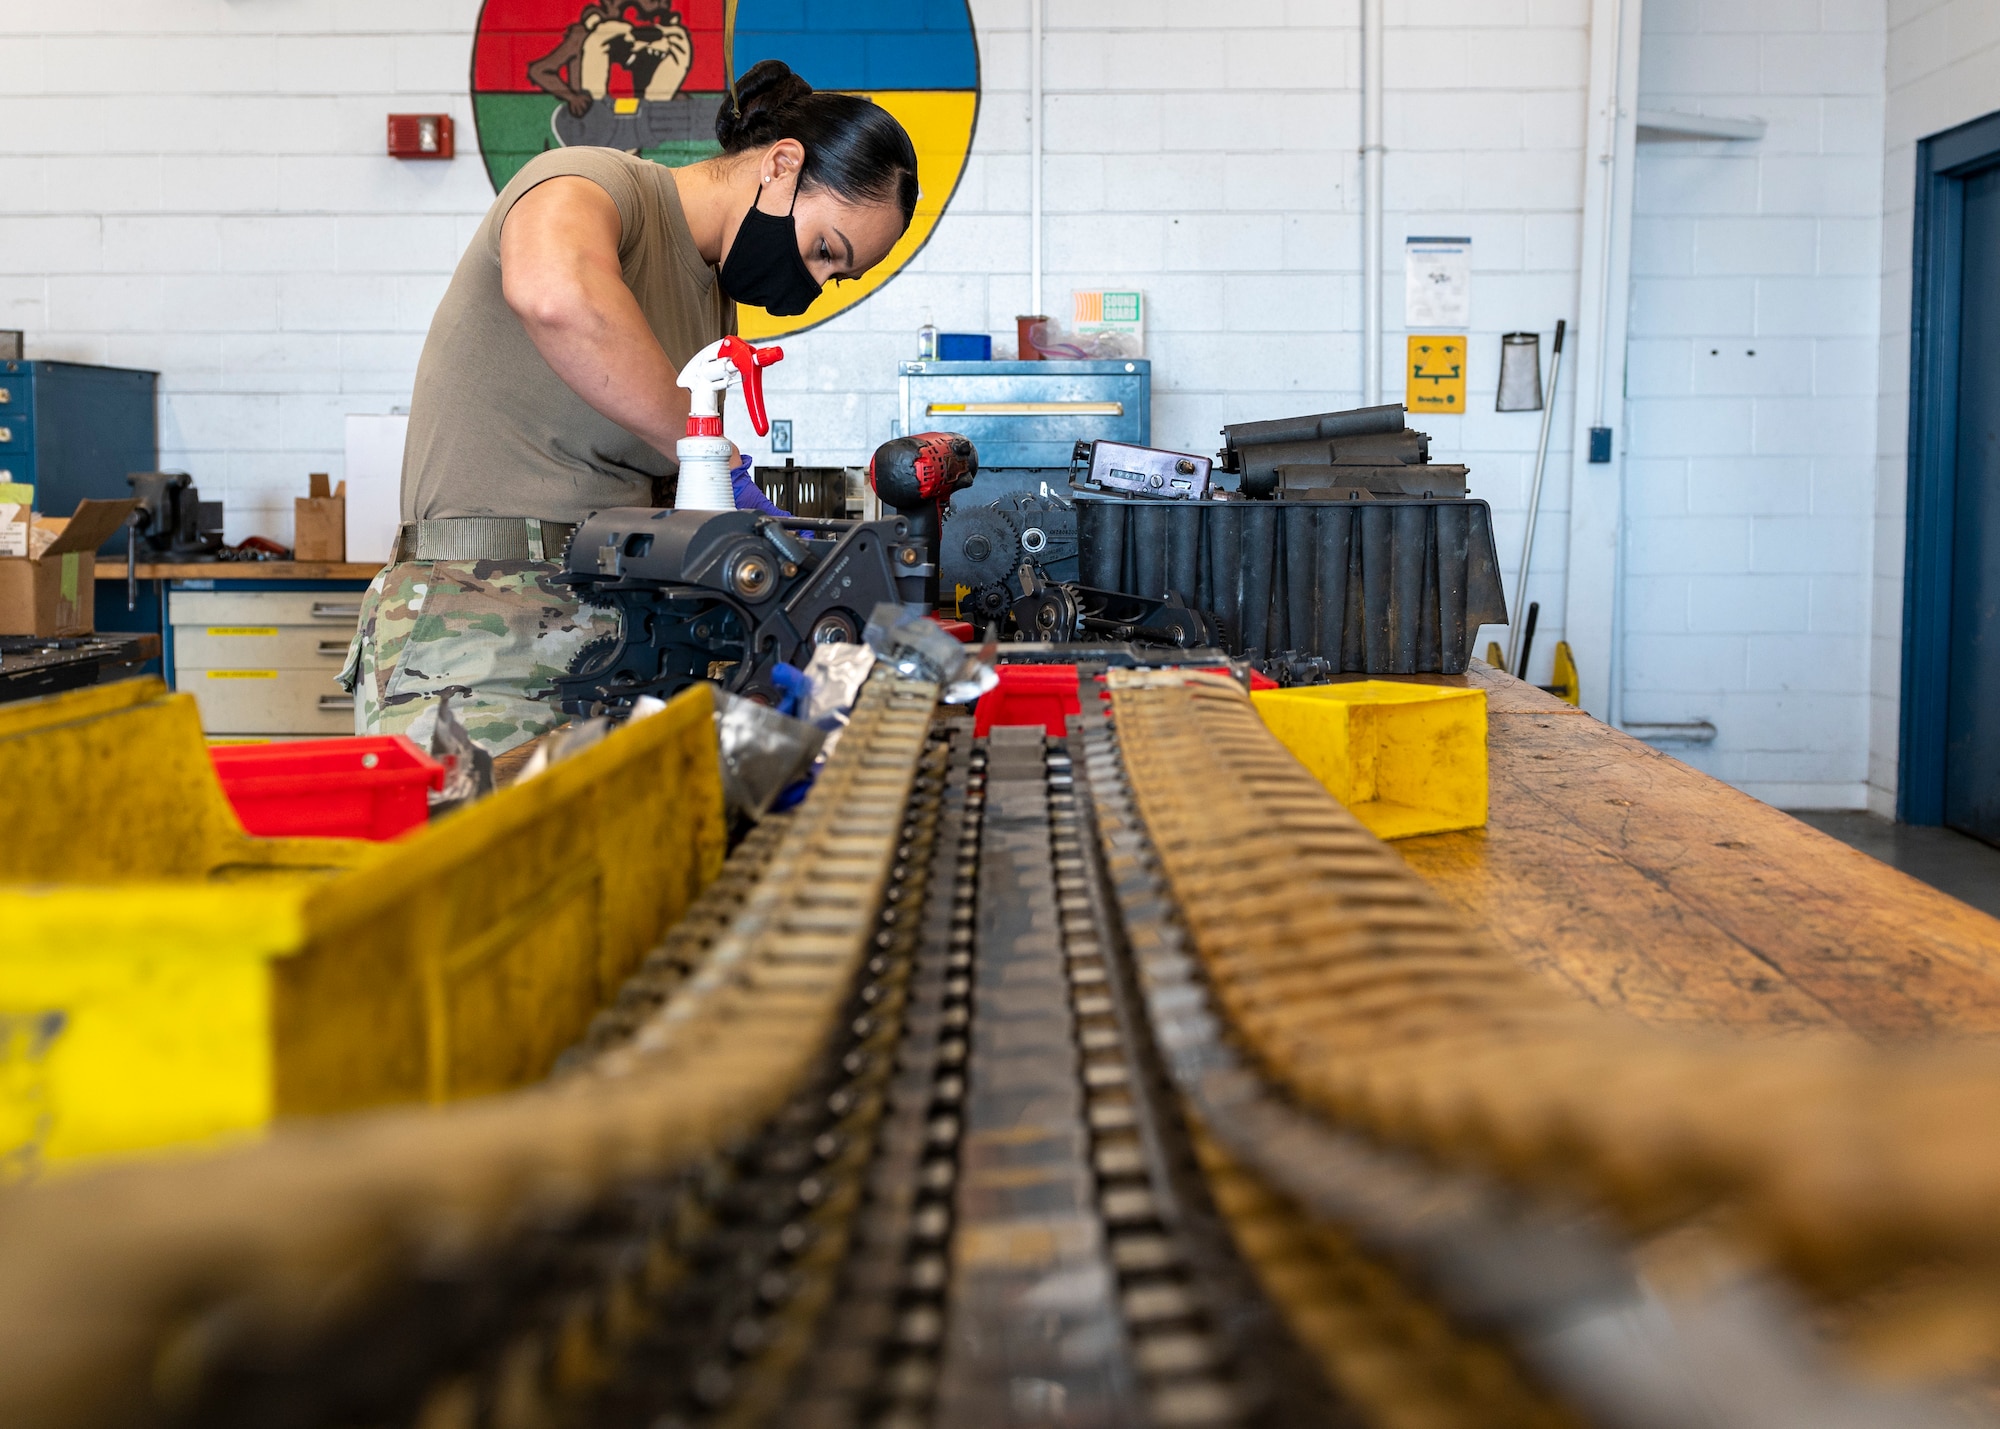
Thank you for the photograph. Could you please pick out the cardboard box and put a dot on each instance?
(56, 593)
(319, 522)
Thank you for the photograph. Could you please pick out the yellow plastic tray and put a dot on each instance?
(166, 978)
(1405, 759)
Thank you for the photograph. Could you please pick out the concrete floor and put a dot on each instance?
(1947, 860)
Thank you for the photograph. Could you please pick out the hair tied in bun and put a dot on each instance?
(853, 145)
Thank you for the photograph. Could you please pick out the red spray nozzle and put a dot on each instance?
(751, 362)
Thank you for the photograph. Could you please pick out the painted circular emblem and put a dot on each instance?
(648, 76)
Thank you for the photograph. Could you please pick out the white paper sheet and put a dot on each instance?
(1437, 283)
(13, 529)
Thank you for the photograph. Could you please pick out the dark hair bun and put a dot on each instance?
(751, 117)
(852, 145)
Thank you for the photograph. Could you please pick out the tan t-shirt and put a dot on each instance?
(493, 430)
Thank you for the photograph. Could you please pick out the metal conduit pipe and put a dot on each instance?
(1371, 201)
(1035, 157)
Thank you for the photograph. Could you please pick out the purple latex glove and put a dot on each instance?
(749, 497)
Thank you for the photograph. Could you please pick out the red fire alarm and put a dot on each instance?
(420, 136)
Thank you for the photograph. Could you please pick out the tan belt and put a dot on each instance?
(483, 538)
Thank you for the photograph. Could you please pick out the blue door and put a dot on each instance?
(1972, 702)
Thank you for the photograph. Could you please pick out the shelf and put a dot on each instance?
(1666, 126)
(112, 568)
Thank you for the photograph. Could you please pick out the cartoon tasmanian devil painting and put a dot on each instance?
(647, 41)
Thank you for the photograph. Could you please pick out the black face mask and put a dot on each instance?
(763, 267)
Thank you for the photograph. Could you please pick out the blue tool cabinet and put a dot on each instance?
(73, 431)
(1030, 413)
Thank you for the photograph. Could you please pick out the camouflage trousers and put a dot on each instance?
(493, 632)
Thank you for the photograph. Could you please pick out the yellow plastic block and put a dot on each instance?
(129, 1022)
(1404, 759)
(166, 978)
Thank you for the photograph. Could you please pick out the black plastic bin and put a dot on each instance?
(1385, 587)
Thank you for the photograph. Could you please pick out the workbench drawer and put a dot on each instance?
(259, 647)
(273, 701)
(336, 610)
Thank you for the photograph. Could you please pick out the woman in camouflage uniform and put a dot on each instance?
(547, 389)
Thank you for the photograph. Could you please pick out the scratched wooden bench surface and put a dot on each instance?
(1647, 886)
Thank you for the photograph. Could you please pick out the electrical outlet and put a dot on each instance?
(781, 435)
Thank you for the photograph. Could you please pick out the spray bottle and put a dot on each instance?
(704, 451)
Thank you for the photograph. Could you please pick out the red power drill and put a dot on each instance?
(915, 477)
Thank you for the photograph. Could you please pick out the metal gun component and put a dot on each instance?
(1062, 611)
(1047, 524)
(1362, 483)
(725, 597)
(1293, 667)
(1336, 456)
(1370, 436)
(983, 546)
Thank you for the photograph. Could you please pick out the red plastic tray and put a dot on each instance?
(1029, 694)
(372, 787)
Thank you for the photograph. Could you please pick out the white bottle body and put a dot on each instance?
(704, 484)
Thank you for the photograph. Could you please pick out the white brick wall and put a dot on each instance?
(1944, 69)
(199, 187)
(1749, 387)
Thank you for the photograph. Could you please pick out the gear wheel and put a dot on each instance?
(594, 656)
(987, 605)
(1047, 526)
(981, 546)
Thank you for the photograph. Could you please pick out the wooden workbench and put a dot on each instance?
(113, 569)
(1645, 885)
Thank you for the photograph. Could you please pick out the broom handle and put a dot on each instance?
(1534, 503)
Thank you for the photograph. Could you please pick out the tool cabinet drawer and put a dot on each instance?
(273, 701)
(326, 610)
(1030, 413)
(259, 647)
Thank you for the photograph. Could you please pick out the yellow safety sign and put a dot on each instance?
(1436, 373)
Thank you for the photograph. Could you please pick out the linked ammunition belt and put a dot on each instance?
(1117, 1079)
(317, 1278)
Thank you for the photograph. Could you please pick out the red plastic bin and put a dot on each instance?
(371, 787)
(1029, 694)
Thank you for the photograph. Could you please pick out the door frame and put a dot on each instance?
(1943, 162)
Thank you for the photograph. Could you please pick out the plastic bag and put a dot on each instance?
(837, 673)
(468, 769)
(763, 752)
(1051, 341)
(919, 648)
